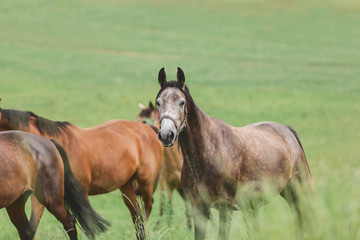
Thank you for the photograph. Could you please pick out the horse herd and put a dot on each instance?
(210, 163)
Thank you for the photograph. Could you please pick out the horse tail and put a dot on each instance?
(90, 221)
(295, 188)
(302, 149)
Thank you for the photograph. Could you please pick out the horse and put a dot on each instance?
(33, 164)
(170, 170)
(223, 163)
(109, 156)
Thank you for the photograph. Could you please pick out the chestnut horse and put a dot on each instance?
(33, 164)
(223, 163)
(103, 158)
(170, 170)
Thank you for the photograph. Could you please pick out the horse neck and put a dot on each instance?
(67, 136)
(6, 125)
(156, 120)
(192, 140)
(32, 127)
(64, 138)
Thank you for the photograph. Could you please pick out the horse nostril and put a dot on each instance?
(167, 137)
(171, 137)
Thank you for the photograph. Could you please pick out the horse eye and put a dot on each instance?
(181, 103)
(158, 103)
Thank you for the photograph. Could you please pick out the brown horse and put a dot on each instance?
(103, 158)
(223, 163)
(170, 171)
(33, 164)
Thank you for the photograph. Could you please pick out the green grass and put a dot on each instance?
(295, 62)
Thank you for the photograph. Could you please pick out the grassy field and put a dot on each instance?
(295, 62)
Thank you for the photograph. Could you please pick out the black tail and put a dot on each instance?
(297, 138)
(90, 221)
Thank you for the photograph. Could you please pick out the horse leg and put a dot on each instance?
(187, 207)
(37, 210)
(299, 186)
(56, 206)
(162, 202)
(17, 215)
(146, 188)
(290, 194)
(201, 215)
(250, 210)
(169, 202)
(129, 198)
(165, 203)
(225, 217)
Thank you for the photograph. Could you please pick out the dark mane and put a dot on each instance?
(22, 119)
(191, 106)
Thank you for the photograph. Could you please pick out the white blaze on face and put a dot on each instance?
(167, 125)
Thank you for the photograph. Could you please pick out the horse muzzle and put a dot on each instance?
(167, 138)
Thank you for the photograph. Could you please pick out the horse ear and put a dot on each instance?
(181, 77)
(142, 107)
(162, 77)
(151, 106)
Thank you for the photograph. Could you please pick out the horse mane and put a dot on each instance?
(22, 119)
(191, 106)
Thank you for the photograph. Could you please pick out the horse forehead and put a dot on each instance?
(145, 113)
(171, 94)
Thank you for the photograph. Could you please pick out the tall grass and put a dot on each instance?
(295, 62)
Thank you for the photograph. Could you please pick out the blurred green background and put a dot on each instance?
(295, 62)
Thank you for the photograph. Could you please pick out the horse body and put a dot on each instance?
(104, 158)
(32, 164)
(99, 174)
(222, 163)
(171, 167)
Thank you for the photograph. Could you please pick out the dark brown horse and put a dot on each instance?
(223, 163)
(170, 171)
(33, 164)
(103, 158)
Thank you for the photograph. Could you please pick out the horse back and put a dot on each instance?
(283, 140)
(281, 133)
(127, 133)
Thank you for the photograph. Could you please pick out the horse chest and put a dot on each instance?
(211, 182)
